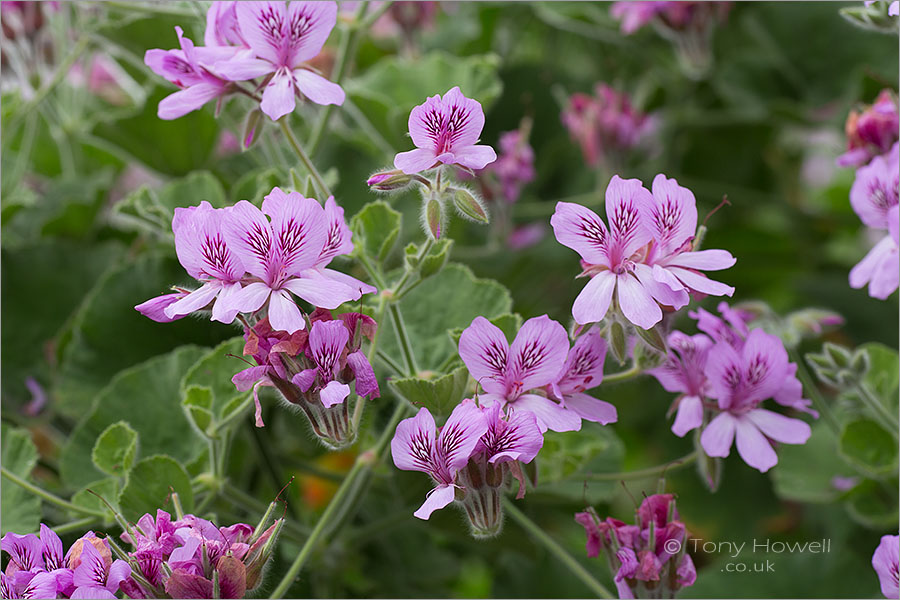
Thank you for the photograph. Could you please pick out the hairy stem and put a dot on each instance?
(51, 498)
(405, 347)
(648, 472)
(77, 525)
(630, 373)
(304, 158)
(878, 409)
(813, 390)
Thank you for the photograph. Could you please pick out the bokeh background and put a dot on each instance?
(86, 162)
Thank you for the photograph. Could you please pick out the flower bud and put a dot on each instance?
(433, 217)
(253, 123)
(617, 341)
(481, 484)
(389, 181)
(469, 206)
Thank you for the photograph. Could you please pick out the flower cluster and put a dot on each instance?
(266, 43)
(606, 126)
(192, 558)
(312, 369)
(645, 260)
(37, 567)
(871, 131)
(674, 15)
(886, 562)
(513, 168)
(649, 559)
(739, 368)
(251, 265)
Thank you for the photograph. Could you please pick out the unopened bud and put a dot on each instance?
(251, 126)
(617, 341)
(469, 206)
(389, 181)
(433, 217)
(652, 337)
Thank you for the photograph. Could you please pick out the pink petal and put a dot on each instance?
(248, 234)
(251, 297)
(537, 354)
(340, 239)
(465, 115)
(155, 308)
(262, 25)
(194, 301)
(704, 260)
(701, 283)
(284, 315)
(722, 362)
(351, 282)
(753, 446)
(671, 216)
(414, 161)
(334, 393)
(460, 434)
(518, 438)
(243, 67)
(474, 157)
(327, 340)
(716, 439)
(308, 26)
(579, 228)
(550, 415)
(225, 309)
(318, 89)
(626, 201)
(321, 291)
(437, 499)
(778, 427)
(366, 381)
(591, 409)
(278, 97)
(485, 352)
(189, 99)
(593, 302)
(413, 442)
(423, 120)
(689, 415)
(765, 363)
(299, 229)
(584, 364)
(636, 303)
(661, 292)
(246, 379)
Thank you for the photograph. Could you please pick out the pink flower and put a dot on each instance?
(676, 15)
(515, 166)
(879, 269)
(582, 371)
(685, 372)
(222, 26)
(281, 38)
(872, 131)
(509, 373)
(446, 131)
(191, 69)
(886, 562)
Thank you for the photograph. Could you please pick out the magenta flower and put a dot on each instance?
(155, 308)
(282, 37)
(512, 437)
(740, 380)
(582, 371)
(26, 584)
(283, 256)
(327, 341)
(685, 372)
(193, 70)
(515, 165)
(446, 131)
(886, 562)
(872, 131)
(676, 15)
(417, 446)
(96, 576)
(222, 26)
(509, 374)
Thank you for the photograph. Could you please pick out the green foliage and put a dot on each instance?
(150, 485)
(868, 447)
(208, 395)
(115, 449)
(21, 509)
(375, 229)
(153, 210)
(568, 458)
(804, 472)
(439, 395)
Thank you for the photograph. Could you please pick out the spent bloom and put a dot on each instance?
(649, 559)
(874, 197)
(886, 562)
(606, 126)
(644, 260)
(445, 130)
(871, 131)
(512, 375)
(281, 37)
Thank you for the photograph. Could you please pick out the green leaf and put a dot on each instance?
(509, 324)
(153, 210)
(436, 258)
(376, 228)
(868, 447)
(449, 300)
(252, 186)
(21, 509)
(115, 449)
(197, 406)
(148, 398)
(107, 488)
(874, 504)
(883, 376)
(150, 485)
(566, 457)
(439, 395)
(207, 389)
(805, 471)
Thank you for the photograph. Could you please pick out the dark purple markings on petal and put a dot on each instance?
(291, 238)
(625, 222)
(299, 26)
(757, 369)
(584, 363)
(593, 232)
(880, 194)
(667, 217)
(333, 242)
(27, 558)
(531, 356)
(733, 376)
(259, 240)
(420, 448)
(444, 128)
(326, 357)
(271, 22)
(495, 355)
(217, 257)
(500, 436)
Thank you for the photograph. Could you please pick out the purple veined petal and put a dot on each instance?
(549, 414)
(437, 499)
(583, 368)
(415, 161)
(284, 315)
(334, 393)
(249, 235)
(671, 375)
(318, 89)
(92, 570)
(636, 303)
(701, 283)
(462, 120)
(517, 438)
(875, 190)
(51, 549)
(753, 446)
(790, 393)
(243, 66)
(246, 379)
(412, 446)
(221, 25)
(885, 561)
(327, 340)
(366, 381)
(459, 436)
(225, 308)
(591, 409)
(689, 415)
(474, 157)
(322, 292)
(339, 238)
(593, 302)
(278, 98)
(194, 301)
(299, 229)
(7, 586)
(485, 352)
(119, 570)
(661, 292)
(171, 65)
(199, 244)
(703, 260)
(348, 280)
(262, 26)
(42, 585)
(725, 373)
(778, 427)
(885, 282)
(628, 564)
(537, 354)
(251, 297)
(671, 215)
(665, 277)
(155, 308)
(424, 120)
(307, 27)
(581, 229)
(187, 100)
(304, 379)
(718, 436)
(25, 551)
(87, 592)
(626, 201)
(765, 363)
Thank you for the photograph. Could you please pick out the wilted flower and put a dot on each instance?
(871, 131)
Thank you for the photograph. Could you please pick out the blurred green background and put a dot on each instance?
(83, 242)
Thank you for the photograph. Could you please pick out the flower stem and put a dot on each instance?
(634, 371)
(51, 498)
(878, 409)
(558, 551)
(304, 158)
(346, 494)
(813, 390)
(668, 467)
(77, 525)
(405, 347)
